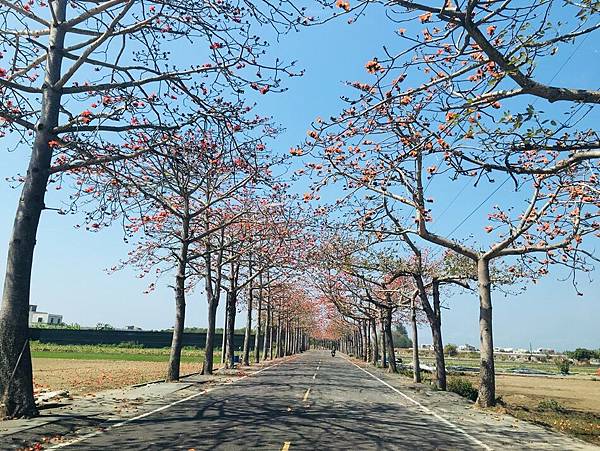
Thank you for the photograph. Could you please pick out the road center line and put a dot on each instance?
(425, 409)
(160, 409)
(306, 395)
(286, 446)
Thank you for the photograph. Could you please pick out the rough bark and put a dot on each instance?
(247, 335)
(209, 349)
(390, 341)
(384, 361)
(415, 338)
(374, 341)
(16, 378)
(258, 324)
(487, 379)
(436, 333)
(177, 340)
(435, 324)
(231, 311)
(271, 335)
(224, 335)
(366, 341)
(278, 342)
(267, 341)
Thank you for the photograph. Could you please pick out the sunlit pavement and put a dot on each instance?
(315, 401)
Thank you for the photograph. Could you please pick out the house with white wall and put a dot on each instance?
(36, 317)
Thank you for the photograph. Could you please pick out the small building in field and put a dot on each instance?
(426, 347)
(467, 348)
(36, 317)
(133, 328)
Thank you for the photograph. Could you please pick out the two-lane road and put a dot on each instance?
(312, 401)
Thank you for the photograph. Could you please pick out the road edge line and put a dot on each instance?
(424, 408)
(158, 409)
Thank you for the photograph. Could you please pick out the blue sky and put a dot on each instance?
(69, 277)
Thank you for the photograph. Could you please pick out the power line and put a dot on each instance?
(479, 206)
(500, 186)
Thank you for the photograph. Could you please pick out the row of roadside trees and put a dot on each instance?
(113, 109)
(171, 149)
(462, 96)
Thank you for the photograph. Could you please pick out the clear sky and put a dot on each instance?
(69, 277)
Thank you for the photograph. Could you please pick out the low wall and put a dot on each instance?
(149, 339)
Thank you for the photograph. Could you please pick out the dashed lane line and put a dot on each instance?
(160, 409)
(426, 409)
(306, 395)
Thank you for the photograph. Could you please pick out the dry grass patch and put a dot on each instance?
(82, 377)
(570, 405)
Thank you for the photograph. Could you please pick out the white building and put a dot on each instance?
(467, 348)
(36, 317)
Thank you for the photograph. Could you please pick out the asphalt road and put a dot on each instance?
(311, 401)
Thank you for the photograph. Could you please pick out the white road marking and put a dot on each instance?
(306, 395)
(426, 409)
(159, 409)
(314, 376)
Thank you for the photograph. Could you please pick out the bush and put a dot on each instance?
(582, 354)
(450, 350)
(462, 387)
(563, 365)
(551, 404)
(405, 372)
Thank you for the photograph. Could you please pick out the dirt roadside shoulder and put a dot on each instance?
(497, 430)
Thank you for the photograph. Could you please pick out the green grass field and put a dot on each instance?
(110, 352)
(505, 365)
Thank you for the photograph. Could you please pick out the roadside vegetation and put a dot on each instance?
(123, 351)
(568, 402)
(551, 413)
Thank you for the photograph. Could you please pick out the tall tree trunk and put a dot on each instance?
(278, 343)
(436, 333)
(224, 336)
(384, 362)
(367, 344)
(487, 378)
(247, 335)
(271, 334)
(390, 341)
(415, 337)
(374, 341)
(258, 323)
(267, 341)
(16, 377)
(435, 324)
(231, 311)
(177, 340)
(209, 349)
